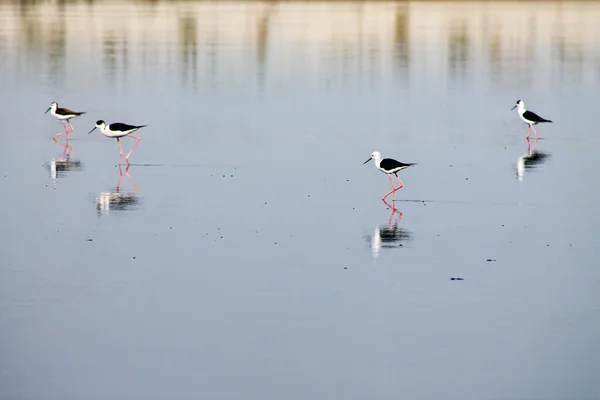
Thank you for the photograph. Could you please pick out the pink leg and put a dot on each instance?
(399, 181)
(536, 135)
(68, 149)
(528, 130)
(65, 132)
(120, 153)
(135, 185)
(393, 188)
(394, 211)
(133, 148)
(120, 179)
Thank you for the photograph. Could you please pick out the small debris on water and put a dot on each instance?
(490, 259)
(90, 240)
(457, 279)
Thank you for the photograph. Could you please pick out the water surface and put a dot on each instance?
(246, 253)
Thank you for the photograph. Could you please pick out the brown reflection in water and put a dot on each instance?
(115, 54)
(43, 36)
(566, 49)
(401, 41)
(458, 48)
(188, 39)
(262, 41)
(44, 30)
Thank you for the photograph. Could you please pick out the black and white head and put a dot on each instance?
(374, 156)
(519, 104)
(53, 107)
(100, 125)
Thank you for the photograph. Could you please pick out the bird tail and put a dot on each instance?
(81, 113)
(546, 120)
(141, 126)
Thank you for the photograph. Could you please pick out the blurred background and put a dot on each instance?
(246, 251)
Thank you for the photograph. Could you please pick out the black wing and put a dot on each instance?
(121, 127)
(390, 164)
(66, 111)
(531, 116)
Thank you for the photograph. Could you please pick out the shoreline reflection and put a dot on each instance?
(116, 200)
(217, 41)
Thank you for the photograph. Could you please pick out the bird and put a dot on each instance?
(63, 114)
(118, 130)
(529, 117)
(389, 166)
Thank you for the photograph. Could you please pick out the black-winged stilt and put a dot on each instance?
(63, 114)
(529, 117)
(389, 166)
(118, 130)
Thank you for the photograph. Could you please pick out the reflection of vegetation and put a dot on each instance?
(188, 37)
(51, 44)
(109, 49)
(44, 28)
(402, 33)
(458, 47)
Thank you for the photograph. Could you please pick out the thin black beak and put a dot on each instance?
(370, 158)
(49, 108)
(92, 130)
(514, 107)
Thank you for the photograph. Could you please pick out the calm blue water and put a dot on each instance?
(246, 252)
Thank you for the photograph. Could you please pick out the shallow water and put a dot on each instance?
(246, 253)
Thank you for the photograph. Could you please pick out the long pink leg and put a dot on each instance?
(135, 185)
(393, 188)
(120, 178)
(133, 148)
(65, 132)
(535, 144)
(394, 211)
(68, 149)
(528, 130)
(399, 181)
(536, 135)
(120, 151)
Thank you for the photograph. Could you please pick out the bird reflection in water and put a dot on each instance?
(530, 160)
(63, 163)
(117, 200)
(390, 235)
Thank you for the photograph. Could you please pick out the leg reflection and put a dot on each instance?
(395, 213)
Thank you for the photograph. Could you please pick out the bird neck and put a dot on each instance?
(521, 108)
(377, 161)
